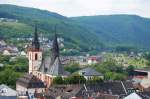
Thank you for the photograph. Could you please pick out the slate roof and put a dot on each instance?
(30, 81)
(90, 72)
(55, 69)
(144, 95)
(104, 90)
(8, 97)
(7, 91)
(107, 96)
(65, 91)
(108, 87)
(43, 96)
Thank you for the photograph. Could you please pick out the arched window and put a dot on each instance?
(36, 56)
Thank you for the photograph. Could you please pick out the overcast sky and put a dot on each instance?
(88, 7)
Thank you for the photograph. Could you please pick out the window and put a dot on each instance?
(36, 56)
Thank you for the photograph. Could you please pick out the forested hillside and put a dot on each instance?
(83, 33)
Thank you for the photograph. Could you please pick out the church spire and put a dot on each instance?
(55, 47)
(35, 41)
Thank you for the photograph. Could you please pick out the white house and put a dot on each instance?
(22, 53)
(145, 81)
(6, 52)
(93, 60)
(10, 52)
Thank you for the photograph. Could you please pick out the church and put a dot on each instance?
(47, 67)
(43, 67)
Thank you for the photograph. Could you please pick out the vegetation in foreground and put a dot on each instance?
(12, 69)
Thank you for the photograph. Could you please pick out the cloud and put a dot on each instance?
(88, 7)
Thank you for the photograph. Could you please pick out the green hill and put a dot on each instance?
(128, 30)
(75, 35)
(83, 33)
(12, 28)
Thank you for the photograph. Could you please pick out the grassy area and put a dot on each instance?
(126, 60)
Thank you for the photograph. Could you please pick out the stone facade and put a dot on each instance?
(35, 59)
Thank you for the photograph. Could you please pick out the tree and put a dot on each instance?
(111, 70)
(108, 75)
(4, 59)
(77, 79)
(147, 57)
(58, 80)
(118, 76)
(95, 80)
(114, 76)
(130, 70)
(73, 67)
(9, 77)
(109, 65)
(74, 79)
(19, 65)
(12, 70)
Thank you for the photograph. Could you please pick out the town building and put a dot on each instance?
(29, 83)
(94, 59)
(142, 77)
(89, 73)
(103, 90)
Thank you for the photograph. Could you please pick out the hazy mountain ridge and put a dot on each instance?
(80, 32)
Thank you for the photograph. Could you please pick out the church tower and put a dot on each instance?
(34, 54)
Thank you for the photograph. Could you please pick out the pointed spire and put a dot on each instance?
(35, 41)
(55, 43)
(55, 47)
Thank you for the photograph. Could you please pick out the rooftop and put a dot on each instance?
(89, 72)
(7, 91)
(30, 81)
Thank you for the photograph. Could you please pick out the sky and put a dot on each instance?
(87, 7)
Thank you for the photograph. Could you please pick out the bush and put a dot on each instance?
(58, 80)
(111, 70)
(95, 80)
(73, 67)
(9, 77)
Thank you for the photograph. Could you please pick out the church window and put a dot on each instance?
(36, 56)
